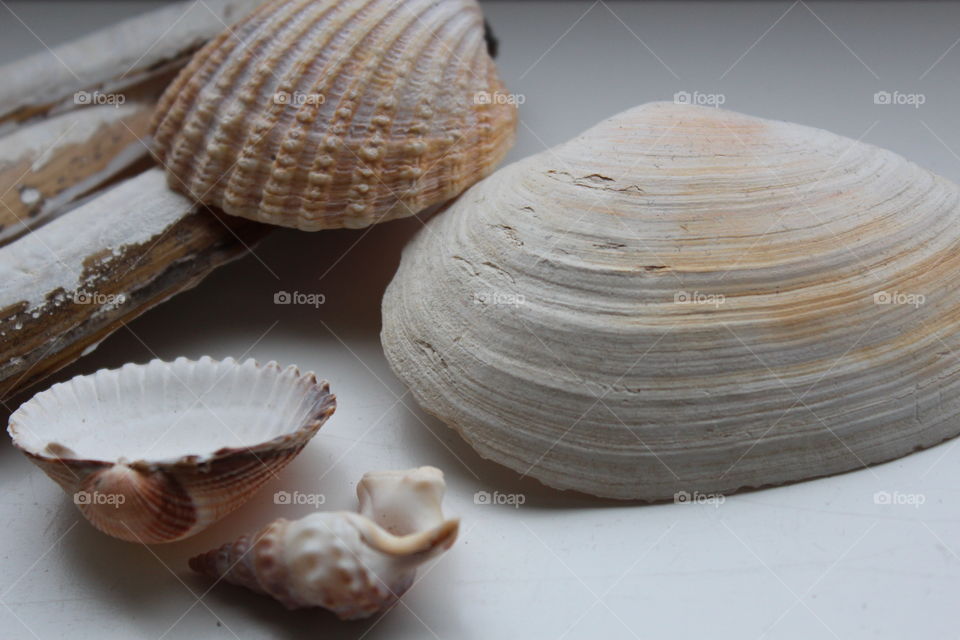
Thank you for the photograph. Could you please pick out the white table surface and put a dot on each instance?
(813, 560)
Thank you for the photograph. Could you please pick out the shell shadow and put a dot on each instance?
(442, 446)
(351, 269)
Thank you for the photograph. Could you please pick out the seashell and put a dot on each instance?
(155, 453)
(688, 299)
(354, 564)
(322, 114)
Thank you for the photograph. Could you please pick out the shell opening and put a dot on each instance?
(167, 411)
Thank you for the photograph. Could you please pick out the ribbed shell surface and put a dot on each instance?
(318, 114)
(685, 299)
(167, 499)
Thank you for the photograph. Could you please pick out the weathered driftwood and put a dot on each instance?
(46, 165)
(67, 282)
(67, 285)
(77, 118)
(135, 58)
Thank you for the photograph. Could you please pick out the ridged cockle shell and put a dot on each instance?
(157, 452)
(318, 114)
(354, 564)
(685, 299)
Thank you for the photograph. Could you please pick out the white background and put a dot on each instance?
(813, 560)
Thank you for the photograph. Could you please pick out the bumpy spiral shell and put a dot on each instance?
(319, 114)
(354, 564)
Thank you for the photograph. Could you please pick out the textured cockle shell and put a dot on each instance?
(354, 564)
(688, 299)
(155, 453)
(320, 114)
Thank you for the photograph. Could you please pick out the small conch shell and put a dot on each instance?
(157, 452)
(319, 114)
(353, 564)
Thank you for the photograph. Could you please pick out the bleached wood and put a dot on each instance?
(69, 284)
(138, 56)
(46, 165)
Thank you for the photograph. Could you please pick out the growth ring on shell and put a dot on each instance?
(688, 299)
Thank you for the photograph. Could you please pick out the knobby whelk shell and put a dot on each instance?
(354, 564)
(688, 299)
(319, 114)
(155, 453)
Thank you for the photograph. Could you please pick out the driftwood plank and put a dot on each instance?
(137, 58)
(76, 118)
(46, 165)
(69, 284)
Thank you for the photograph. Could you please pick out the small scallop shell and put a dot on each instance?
(685, 299)
(354, 564)
(155, 453)
(323, 114)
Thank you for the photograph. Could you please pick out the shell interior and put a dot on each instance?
(163, 412)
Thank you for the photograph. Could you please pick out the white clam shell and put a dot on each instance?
(354, 564)
(157, 452)
(688, 299)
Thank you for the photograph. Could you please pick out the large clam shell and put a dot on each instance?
(157, 452)
(317, 114)
(688, 299)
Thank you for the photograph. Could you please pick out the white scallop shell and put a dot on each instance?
(688, 299)
(157, 452)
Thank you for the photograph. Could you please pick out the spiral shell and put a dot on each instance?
(685, 299)
(319, 114)
(157, 452)
(354, 564)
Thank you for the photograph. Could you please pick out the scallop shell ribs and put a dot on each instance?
(157, 452)
(319, 114)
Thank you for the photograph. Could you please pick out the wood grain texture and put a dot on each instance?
(47, 165)
(137, 57)
(68, 285)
